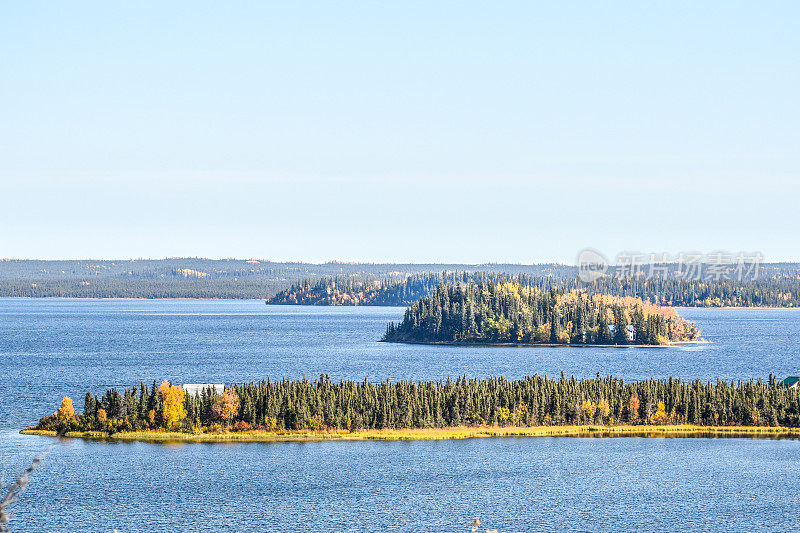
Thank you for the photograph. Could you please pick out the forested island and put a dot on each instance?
(776, 291)
(533, 405)
(489, 312)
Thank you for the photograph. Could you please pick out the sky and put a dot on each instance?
(398, 131)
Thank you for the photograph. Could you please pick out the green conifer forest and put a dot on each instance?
(490, 312)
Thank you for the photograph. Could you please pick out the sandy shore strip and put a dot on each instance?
(667, 431)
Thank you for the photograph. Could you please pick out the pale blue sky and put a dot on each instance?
(454, 132)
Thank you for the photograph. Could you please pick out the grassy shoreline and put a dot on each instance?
(668, 431)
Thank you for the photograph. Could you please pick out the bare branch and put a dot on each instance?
(19, 486)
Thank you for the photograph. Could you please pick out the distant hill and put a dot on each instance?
(208, 278)
(338, 283)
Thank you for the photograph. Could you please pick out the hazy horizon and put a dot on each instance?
(766, 261)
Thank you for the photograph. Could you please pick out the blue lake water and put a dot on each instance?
(53, 348)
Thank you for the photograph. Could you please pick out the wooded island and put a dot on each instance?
(489, 312)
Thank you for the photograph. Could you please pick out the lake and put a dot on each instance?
(53, 348)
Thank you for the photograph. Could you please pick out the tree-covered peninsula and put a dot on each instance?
(489, 312)
(323, 405)
(391, 291)
(349, 290)
(777, 291)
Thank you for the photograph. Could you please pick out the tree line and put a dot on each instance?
(97, 287)
(514, 313)
(195, 277)
(348, 290)
(323, 404)
(768, 292)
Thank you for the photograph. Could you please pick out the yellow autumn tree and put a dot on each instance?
(102, 416)
(660, 417)
(270, 423)
(227, 406)
(503, 415)
(589, 408)
(604, 409)
(173, 411)
(66, 410)
(520, 414)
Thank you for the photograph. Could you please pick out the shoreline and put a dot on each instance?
(735, 307)
(126, 298)
(461, 432)
(547, 345)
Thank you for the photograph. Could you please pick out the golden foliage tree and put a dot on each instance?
(520, 414)
(227, 406)
(604, 409)
(66, 410)
(660, 417)
(503, 415)
(633, 408)
(173, 412)
(589, 408)
(102, 416)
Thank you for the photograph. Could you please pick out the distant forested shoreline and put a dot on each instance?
(338, 283)
(146, 289)
(340, 290)
(190, 277)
